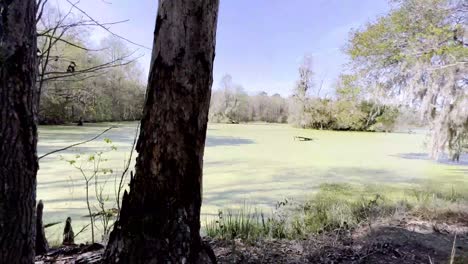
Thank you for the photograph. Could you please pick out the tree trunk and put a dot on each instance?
(160, 217)
(68, 234)
(41, 242)
(18, 131)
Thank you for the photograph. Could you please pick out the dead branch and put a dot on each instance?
(81, 23)
(71, 43)
(81, 230)
(78, 79)
(40, 9)
(76, 144)
(61, 75)
(105, 28)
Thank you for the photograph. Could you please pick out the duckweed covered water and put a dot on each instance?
(258, 163)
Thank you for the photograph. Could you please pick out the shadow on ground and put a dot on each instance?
(444, 159)
(214, 141)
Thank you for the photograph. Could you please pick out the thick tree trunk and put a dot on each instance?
(160, 217)
(18, 131)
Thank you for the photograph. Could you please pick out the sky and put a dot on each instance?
(260, 43)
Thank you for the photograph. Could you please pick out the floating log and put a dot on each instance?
(303, 138)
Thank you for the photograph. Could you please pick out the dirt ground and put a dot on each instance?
(406, 241)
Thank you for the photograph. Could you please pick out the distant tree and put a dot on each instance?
(232, 100)
(305, 84)
(276, 109)
(231, 104)
(160, 217)
(18, 131)
(265, 108)
(225, 101)
(239, 111)
(301, 94)
(348, 88)
(419, 52)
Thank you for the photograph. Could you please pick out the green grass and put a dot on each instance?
(334, 207)
(243, 223)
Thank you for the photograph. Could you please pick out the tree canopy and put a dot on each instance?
(418, 54)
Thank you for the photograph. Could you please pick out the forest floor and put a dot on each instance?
(407, 240)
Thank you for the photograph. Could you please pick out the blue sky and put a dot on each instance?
(260, 43)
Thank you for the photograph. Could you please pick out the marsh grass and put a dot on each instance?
(334, 207)
(242, 223)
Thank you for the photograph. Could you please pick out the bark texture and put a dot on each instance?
(160, 217)
(41, 242)
(18, 131)
(68, 234)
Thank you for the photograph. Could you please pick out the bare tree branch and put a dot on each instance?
(76, 144)
(40, 9)
(61, 75)
(78, 80)
(81, 23)
(70, 43)
(105, 28)
(81, 231)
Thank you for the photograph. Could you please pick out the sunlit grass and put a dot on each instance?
(335, 207)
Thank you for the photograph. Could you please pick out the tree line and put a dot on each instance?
(350, 109)
(80, 82)
(231, 104)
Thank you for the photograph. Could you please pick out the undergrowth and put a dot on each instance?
(334, 207)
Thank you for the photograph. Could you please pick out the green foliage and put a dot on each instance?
(387, 120)
(348, 87)
(91, 169)
(348, 115)
(419, 50)
(349, 111)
